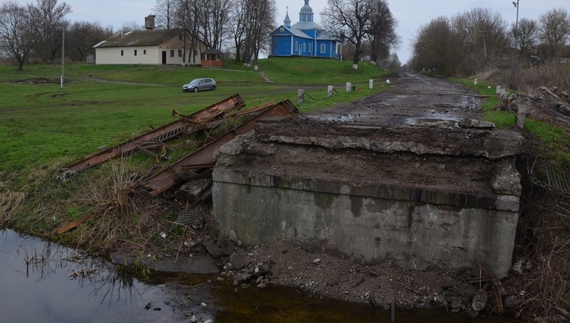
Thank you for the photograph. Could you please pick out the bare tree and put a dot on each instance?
(382, 35)
(82, 36)
(237, 22)
(187, 18)
(554, 31)
(251, 22)
(165, 13)
(483, 34)
(15, 34)
(349, 20)
(526, 36)
(47, 23)
(437, 46)
(361, 21)
(214, 16)
(261, 23)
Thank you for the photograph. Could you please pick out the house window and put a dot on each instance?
(172, 53)
(323, 48)
(282, 30)
(180, 53)
(135, 52)
(310, 47)
(296, 44)
(304, 47)
(121, 52)
(144, 51)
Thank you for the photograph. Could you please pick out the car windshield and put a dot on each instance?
(195, 82)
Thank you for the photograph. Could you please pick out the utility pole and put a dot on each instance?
(62, 55)
(514, 80)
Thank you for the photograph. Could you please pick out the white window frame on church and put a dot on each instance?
(323, 48)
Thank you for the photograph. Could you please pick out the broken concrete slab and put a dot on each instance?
(414, 139)
(475, 123)
(195, 189)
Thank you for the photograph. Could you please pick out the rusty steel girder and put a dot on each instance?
(204, 158)
(201, 120)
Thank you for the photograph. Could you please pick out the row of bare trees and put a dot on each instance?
(31, 29)
(37, 31)
(480, 39)
(246, 24)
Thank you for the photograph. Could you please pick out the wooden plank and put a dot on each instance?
(73, 224)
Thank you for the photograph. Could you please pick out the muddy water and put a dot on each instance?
(45, 282)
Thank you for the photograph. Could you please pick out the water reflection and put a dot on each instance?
(46, 282)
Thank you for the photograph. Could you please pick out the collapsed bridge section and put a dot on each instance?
(415, 196)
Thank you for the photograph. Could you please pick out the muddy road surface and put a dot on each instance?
(413, 99)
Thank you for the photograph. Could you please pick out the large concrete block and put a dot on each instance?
(372, 202)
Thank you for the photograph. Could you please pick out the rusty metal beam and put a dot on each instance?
(186, 124)
(215, 111)
(208, 154)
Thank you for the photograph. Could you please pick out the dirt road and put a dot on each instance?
(413, 99)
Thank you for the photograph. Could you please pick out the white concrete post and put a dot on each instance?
(475, 82)
(330, 91)
(521, 116)
(348, 87)
(300, 95)
(371, 84)
(255, 68)
(498, 90)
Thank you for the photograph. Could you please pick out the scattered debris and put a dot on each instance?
(155, 138)
(203, 159)
(549, 105)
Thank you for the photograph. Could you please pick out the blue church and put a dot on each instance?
(305, 38)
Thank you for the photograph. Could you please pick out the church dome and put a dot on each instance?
(306, 8)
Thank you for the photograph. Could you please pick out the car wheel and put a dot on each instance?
(196, 89)
(213, 87)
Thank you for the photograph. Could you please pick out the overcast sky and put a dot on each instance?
(411, 14)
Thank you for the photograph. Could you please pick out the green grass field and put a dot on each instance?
(44, 125)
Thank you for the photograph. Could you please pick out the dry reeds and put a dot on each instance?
(530, 78)
(544, 243)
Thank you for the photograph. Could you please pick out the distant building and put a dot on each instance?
(305, 38)
(150, 47)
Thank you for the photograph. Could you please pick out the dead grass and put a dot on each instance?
(127, 218)
(543, 245)
(530, 78)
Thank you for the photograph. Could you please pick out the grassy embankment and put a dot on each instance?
(45, 127)
(556, 140)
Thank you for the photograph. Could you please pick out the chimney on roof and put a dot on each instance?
(149, 22)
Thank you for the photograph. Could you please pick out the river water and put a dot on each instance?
(46, 282)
